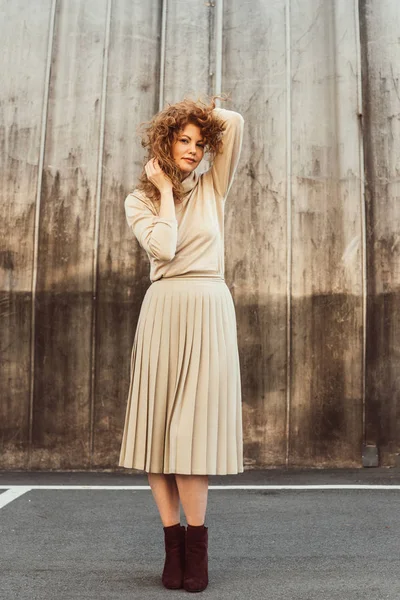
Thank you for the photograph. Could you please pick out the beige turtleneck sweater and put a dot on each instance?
(193, 243)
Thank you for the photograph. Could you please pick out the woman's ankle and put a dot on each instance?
(174, 526)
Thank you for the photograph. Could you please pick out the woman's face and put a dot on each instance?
(188, 149)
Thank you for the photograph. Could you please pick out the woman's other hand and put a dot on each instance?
(157, 176)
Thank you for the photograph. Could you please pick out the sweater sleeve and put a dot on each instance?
(225, 163)
(157, 235)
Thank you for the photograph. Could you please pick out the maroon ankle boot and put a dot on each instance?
(196, 559)
(174, 538)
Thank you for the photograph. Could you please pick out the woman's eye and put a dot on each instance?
(184, 141)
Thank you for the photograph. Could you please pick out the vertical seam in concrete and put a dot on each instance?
(288, 222)
(363, 211)
(45, 108)
(219, 27)
(97, 225)
(162, 52)
(210, 89)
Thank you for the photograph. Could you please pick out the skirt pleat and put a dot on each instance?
(184, 412)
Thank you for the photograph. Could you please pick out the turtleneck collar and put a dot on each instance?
(190, 182)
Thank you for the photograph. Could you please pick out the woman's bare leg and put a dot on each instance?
(193, 493)
(166, 496)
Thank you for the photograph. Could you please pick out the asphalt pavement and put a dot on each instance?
(87, 540)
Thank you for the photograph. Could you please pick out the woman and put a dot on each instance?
(183, 419)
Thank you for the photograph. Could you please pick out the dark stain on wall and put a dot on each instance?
(326, 421)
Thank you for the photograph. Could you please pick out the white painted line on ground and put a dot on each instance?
(211, 487)
(13, 492)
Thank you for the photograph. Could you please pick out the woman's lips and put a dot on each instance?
(190, 160)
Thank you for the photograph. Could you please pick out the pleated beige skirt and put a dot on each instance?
(184, 411)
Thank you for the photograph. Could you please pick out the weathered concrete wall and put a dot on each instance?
(381, 92)
(312, 221)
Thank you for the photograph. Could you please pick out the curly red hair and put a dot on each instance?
(163, 129)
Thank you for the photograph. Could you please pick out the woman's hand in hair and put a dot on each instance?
(157, 176)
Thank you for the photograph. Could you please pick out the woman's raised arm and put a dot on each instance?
(225, 163)
(157, 235)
